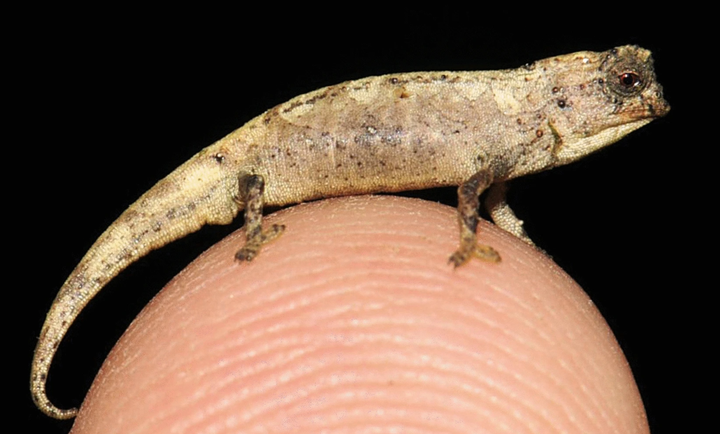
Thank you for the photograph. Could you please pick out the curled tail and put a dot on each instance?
(200, 191)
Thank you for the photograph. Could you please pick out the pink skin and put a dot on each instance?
(353, 321)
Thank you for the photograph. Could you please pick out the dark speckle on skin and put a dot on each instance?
(270, 115)
(292, 107)
(316, 98)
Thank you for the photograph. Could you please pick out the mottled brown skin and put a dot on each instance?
(379, 134)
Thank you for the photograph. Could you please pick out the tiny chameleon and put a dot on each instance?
(475, 130)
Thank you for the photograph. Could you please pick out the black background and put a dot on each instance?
(106, 102)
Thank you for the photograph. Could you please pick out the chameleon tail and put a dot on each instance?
(197, 193)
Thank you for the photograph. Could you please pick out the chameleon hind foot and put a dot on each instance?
(253, 246)
(251, 196)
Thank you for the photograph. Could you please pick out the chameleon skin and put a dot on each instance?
(395, 132)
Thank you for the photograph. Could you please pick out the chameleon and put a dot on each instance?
(389, 133)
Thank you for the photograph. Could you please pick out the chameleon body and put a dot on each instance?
(389, 133)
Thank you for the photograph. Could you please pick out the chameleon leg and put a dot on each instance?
(501, 213)
(251, 193)
(468, 203)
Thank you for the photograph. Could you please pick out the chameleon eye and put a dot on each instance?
(629, 80)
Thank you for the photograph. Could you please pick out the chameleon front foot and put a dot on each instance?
(480, 251)
(253, 245)
(468, 202)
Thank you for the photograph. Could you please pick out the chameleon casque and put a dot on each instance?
(389, 133)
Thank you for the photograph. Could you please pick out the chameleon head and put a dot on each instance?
(600, 98)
